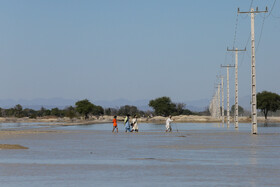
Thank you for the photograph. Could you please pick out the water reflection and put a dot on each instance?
(268, 125)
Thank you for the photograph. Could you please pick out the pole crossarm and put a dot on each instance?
(236, 49)
(253, 12)
(228, 66)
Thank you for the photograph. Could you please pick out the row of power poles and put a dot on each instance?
(214, 103)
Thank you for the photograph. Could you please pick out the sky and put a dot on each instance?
(133, 49)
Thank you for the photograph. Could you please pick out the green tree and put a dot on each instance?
(98, 110)
(18, 111)
(127, 109)
(163, 106)
(56, 112)
(10, 112)
(84, 107)
(188, 112)
(43, 112)
(30, 113)
(268, 101)
(70, 112)
(240, 110)
(108, 111)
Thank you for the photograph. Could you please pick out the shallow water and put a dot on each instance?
(19, 126)
(197, 155)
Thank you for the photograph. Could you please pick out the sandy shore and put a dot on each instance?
(11, 146)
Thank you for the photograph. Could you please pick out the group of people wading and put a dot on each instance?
(133, 126)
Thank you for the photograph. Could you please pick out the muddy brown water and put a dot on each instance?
(196, 155)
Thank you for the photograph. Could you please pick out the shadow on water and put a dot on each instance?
(268, 125)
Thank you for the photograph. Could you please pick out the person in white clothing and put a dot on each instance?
(168, 124)
(135, 124)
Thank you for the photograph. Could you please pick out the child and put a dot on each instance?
(115, 125)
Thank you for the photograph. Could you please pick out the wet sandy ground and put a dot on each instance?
(216, 157)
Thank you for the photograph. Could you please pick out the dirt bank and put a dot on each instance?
(11, 146)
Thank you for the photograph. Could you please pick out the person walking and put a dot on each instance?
(127, 124)
(115, 125)
(135, 124)
(168, 124)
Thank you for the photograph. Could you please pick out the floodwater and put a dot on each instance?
(20, 126)
(197, 155)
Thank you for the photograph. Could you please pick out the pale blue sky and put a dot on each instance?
(110, 49)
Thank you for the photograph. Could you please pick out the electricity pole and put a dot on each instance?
(223, 110)
(254, 96)
(214, 106)
(218, 105)
(236, 85)
(219, 102)
(227, 66)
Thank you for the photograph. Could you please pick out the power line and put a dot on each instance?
(271, 13)
(242, 59)
(251, 5)
(260, 34)
(243, 54)
(244, 16)
(271, 8)
(236, 24)
(226, 55)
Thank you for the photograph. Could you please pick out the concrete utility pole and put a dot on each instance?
(213, 108)
(222, 89)
(236, 85)
(215, 105)
(227, 66)
(254, 94)
(218, 103)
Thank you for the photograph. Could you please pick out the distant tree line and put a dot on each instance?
(19, 112)
(83, 108)
(162, 106)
